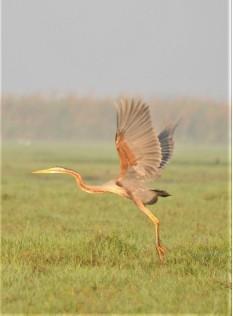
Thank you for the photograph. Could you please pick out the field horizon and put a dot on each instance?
(73, 118)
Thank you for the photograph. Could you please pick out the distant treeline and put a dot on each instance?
(72, 118)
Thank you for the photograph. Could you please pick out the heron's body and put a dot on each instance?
(142, 155)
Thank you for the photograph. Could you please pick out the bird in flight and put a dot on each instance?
(143, 154)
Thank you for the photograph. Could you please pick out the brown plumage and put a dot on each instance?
(142, 155)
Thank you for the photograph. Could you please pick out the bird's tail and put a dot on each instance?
(162, 193)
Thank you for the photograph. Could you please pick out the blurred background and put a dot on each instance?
(65, 63)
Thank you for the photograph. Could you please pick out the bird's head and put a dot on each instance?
(52, 170)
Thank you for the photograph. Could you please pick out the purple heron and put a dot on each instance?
(142, 155)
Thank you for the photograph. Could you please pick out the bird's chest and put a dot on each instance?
(121, 191)
(118, 190)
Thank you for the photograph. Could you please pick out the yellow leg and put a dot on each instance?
(160, 249)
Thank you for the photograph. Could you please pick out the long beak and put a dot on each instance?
(42, 171)
(50, 170)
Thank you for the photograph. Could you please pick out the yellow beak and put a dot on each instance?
(41, 171)
(50, 170)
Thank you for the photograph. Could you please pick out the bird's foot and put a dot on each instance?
(161, 252)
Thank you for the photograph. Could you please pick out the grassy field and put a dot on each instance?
(64, 251)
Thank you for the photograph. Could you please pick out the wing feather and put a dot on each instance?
(167, 143)
(136, 141)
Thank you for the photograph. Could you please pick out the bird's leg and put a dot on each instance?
(160, 249)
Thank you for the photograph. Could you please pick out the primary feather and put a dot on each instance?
(167, 143)
(136, 141)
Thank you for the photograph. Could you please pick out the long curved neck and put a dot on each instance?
(85, 187)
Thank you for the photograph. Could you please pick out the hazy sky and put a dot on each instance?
(161, 48)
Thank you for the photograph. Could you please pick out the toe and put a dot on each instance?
(161, 253)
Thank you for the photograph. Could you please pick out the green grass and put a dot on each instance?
(64, 251)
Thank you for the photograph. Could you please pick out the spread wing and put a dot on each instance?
(136, 141)
(167, 143)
